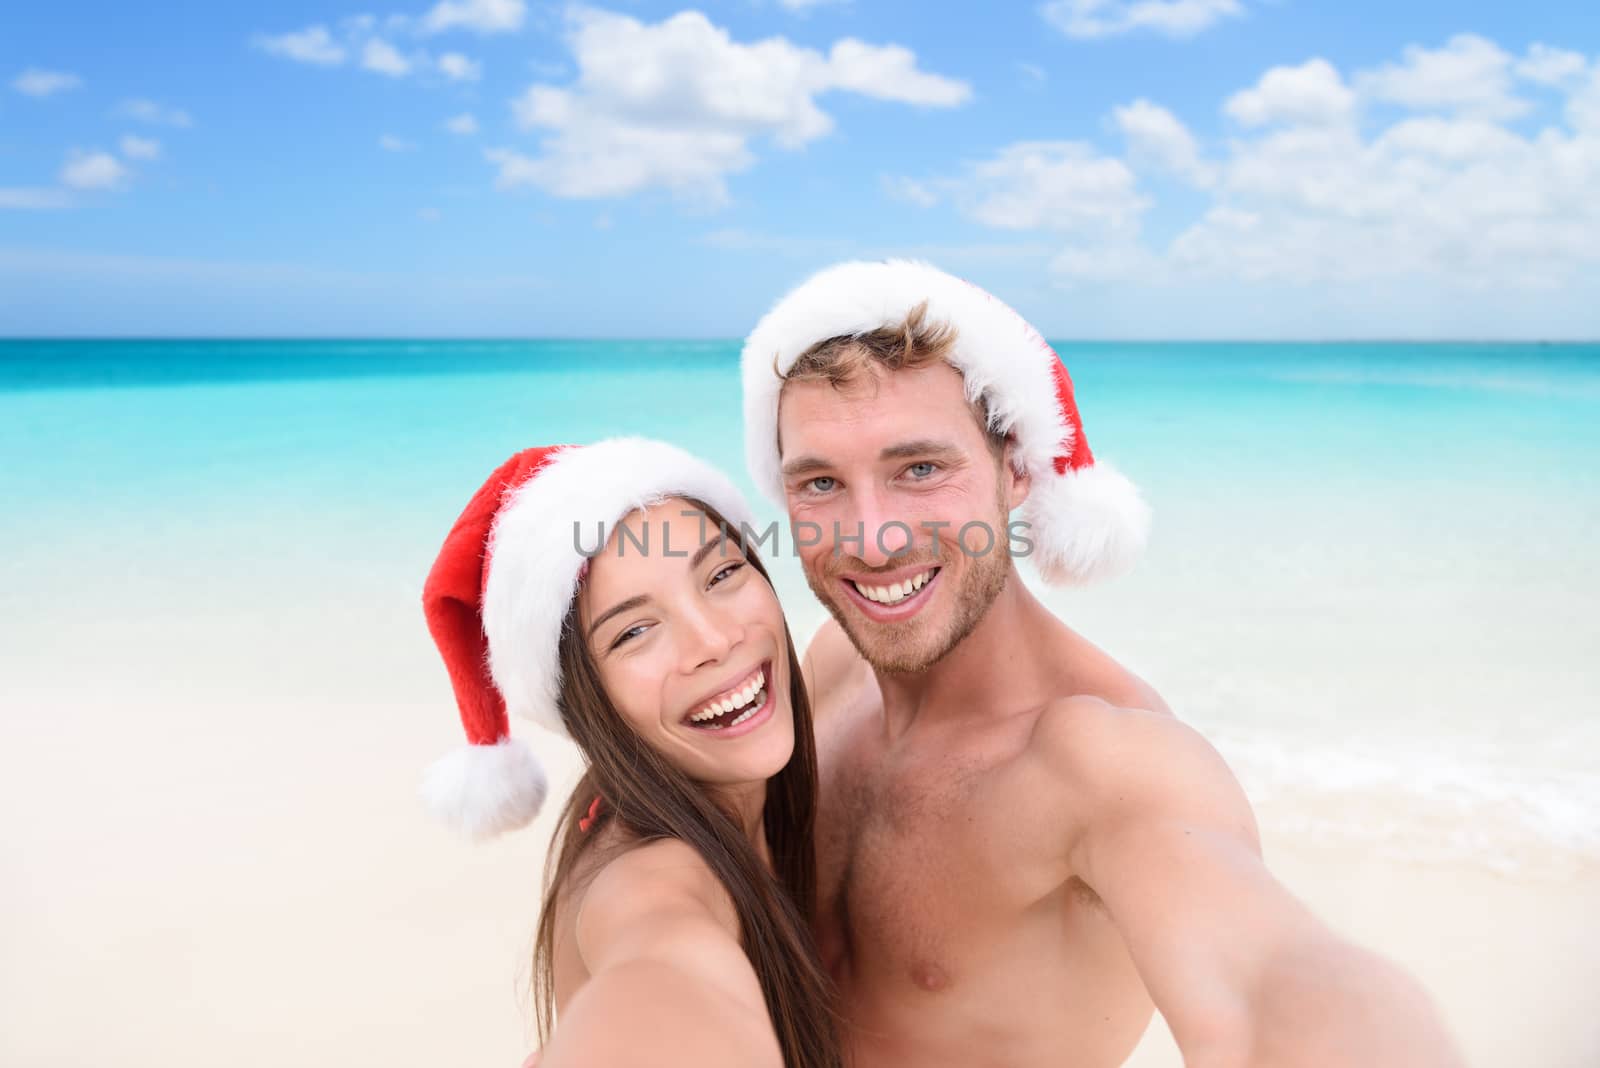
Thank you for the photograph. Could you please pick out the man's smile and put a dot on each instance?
(891, 596)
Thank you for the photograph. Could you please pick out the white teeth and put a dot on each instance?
(753, 695)
(747, 713)
(897, 592)
(738, 699)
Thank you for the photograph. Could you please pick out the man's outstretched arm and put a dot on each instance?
(1244, 974)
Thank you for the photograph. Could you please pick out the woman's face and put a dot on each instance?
(690, 645)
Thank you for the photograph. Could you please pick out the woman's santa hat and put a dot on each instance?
(500, 591)
(1085, 520)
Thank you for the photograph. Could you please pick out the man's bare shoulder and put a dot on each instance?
(1104, 763)
(1097, 673)
(832, 667)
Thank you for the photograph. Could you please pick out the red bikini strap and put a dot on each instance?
(595, 808)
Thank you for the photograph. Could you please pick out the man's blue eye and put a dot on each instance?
(923, 469)
(822, 485)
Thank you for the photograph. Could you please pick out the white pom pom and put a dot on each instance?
(482, 790)
(1085, 525)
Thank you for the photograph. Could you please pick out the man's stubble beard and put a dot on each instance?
(893, 647)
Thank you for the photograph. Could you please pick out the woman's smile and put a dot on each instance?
(737, 710)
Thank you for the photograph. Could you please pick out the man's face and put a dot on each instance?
(912, 505)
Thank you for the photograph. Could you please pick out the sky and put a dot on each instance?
(1233, 169)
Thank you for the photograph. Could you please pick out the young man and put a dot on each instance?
(1020, 848)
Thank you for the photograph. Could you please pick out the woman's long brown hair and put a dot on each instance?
(653, 800)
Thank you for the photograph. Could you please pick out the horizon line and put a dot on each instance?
(598, 339)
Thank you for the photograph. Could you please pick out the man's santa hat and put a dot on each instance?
(1086, 521)
(500, 591)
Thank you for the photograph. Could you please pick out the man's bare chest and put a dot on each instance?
(918, 854)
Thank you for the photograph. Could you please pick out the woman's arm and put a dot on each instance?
(669, 983)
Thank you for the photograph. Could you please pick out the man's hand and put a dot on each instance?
(1243, 973)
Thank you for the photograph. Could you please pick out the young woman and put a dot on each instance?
(681, 874)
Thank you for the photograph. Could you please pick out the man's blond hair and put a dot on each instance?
(912, 343)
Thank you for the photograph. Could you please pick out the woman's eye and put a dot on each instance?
(629, 634)
(923, 469)
(823, 484)
(724, 572)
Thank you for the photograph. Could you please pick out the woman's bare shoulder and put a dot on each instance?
(657, 881)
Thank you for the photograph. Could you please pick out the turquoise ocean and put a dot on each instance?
(1373, 580)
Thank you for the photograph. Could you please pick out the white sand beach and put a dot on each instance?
(213, 854)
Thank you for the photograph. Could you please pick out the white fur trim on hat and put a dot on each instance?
(535, 563)
(482, 790)
(1089, 522)
(1085, 525)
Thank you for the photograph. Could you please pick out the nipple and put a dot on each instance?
(929, 976)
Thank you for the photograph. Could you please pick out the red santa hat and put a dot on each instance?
(501, 588)
(1086, 521)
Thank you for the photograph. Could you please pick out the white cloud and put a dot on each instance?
(1552, 66)
(481, 16)
(1469, 75)
(151, 112)
(803, 6)
(1066, 188)
(391, 143)
(1061, 186)
(1452, 201)
(1089, 19)
(1461, 199)
(458, 68)
(370, 39)
(1156, 135)
(1312, 93)
(140, 147)
(515, 168)
(314, 45)
(32, 198)
(381, 56)
(676, 104)
(465, 124)
(889, 72)
(1583, 107)
(36, 82)
(911, 191)
(93, 170)
(1108, 261)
